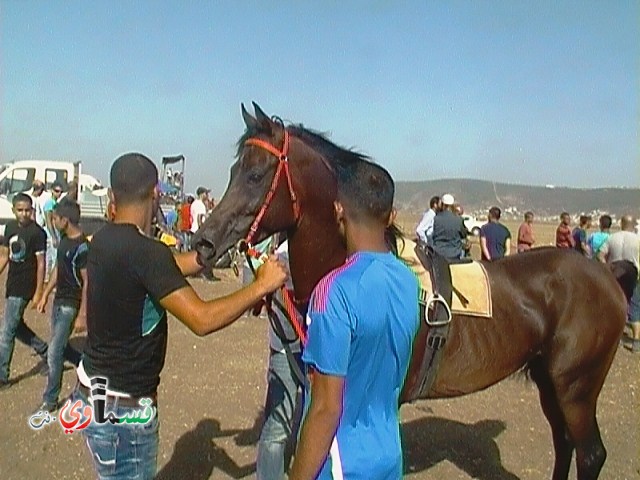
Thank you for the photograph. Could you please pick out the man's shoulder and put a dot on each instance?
(34, 229)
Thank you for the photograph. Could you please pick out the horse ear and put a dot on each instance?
(264, 121)
(249, 121)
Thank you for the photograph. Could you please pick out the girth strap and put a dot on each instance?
(436, 313)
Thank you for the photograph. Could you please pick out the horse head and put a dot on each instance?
(279, 182)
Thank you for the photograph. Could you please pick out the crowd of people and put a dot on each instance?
(443, 229)
(119, 286)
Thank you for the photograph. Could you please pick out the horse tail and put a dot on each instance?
(392, 235)
(626, 274)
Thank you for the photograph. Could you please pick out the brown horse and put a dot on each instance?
(556, 314)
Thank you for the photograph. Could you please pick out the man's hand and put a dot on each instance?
(80, 325)
(41, 305)
(35, 301)
(272, 274)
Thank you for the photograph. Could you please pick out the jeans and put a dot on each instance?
(50, 258)
(62, 317)
(633, 314)
(14, 327)
(282, 418)
(122, 451)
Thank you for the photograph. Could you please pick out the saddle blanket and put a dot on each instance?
(471, 288)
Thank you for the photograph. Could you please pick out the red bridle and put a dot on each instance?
(283, 164)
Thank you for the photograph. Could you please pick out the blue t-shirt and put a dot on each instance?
(362, 319)
(496, 236)
(596, 241)
(579, 237)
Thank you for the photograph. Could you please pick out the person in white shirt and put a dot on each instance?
(425, 227)
(39, 197)
(199, 209)
(625, 245)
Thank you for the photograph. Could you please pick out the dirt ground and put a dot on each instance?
(210, 402)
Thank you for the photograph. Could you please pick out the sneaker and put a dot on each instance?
(5, 384)
(635, 346)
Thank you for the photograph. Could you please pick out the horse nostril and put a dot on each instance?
(204, 244)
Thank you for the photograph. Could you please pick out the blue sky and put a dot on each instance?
(525, 92)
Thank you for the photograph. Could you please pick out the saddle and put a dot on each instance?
(435, 305)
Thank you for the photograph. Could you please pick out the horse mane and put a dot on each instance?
(337, 157)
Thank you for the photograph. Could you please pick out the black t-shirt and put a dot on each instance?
(128, 274)
(23, 244)
(71, 258)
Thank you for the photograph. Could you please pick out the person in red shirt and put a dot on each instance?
(525, 233)
(184, 224)
(564, 236)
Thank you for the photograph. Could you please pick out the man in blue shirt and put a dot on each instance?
(495, 238)
(362, 320)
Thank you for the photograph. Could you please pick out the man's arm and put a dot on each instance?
(421, 229)
(39, 279)
(53, 280)
(80, 324)
(484, 248)
(4, 258)
(507, 247)
(319, 427)
(603, 253)
(203, 317)
(187, 263)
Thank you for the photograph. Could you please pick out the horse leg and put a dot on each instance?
(583, 428)
(577, 389)
(562, 444)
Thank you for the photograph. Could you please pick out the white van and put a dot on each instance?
(19, 176)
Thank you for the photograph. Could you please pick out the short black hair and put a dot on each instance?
(69, 209)
(21, 197)
(366, 190)
(57, 184)
(434, 201)
(528, 214)
(495, 212)
(584, 219)
(133, 177)
(605, 221)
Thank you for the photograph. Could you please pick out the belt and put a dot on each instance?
(122, 401)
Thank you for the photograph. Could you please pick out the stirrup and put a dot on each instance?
(433, 300)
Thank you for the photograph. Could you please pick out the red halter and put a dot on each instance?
(283, 164)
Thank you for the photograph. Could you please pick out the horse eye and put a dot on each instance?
(255, 177)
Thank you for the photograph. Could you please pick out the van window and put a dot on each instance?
(52, 175)
(18, 180)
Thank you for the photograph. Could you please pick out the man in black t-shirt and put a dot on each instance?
(133, 280)
(23, 250)
(69, 278)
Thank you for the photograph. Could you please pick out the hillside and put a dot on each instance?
(479, 195)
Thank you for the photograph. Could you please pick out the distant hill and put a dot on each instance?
(478, 195)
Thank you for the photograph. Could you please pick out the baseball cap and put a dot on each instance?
(202, 190)
(447, 199)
